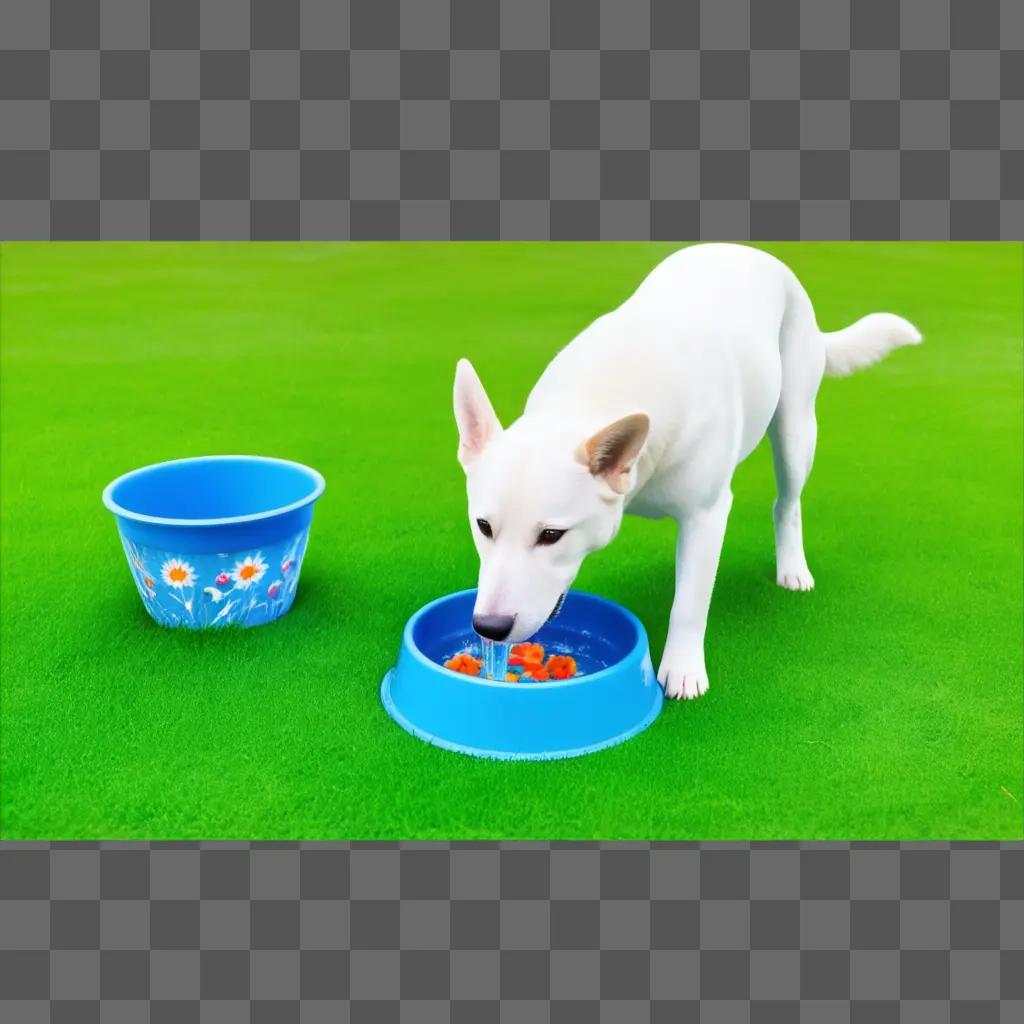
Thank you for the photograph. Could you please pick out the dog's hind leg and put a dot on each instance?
(793, 435)
(793, 432)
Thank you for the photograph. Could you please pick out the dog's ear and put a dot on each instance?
(611, 452)
(474, 414)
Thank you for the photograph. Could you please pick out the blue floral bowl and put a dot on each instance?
(215, 541)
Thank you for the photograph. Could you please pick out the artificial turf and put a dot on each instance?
(885, 704)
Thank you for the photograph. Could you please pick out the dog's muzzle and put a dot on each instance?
(493, 627)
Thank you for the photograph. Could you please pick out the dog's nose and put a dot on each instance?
(493, 627)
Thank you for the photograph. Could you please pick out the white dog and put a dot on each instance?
(649, 410)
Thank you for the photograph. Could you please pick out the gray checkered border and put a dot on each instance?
(538, 119)
(371, 933)
(466, 119)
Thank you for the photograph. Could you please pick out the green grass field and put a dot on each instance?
(886, 704)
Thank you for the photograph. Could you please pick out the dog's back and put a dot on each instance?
(697, 340)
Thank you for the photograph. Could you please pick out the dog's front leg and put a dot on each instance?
(698, 548)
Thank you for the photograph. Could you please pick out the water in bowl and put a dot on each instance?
(590, 654)
(495, 659)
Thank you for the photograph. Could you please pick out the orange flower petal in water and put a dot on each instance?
(561, 666)
(464, 663)
(511, 677)
(538, 673)
(526, 654)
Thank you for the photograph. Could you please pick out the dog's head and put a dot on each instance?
(540, 500)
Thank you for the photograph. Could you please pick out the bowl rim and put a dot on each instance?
(562, 754)
(637, 651)
(319, 485)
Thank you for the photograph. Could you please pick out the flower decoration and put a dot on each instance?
(205, 589)
(177, 573)
(249, 571)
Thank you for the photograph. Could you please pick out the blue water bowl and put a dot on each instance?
(615, 697)
(215, 541)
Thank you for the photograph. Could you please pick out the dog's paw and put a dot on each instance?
(795, 578)
(682, 679)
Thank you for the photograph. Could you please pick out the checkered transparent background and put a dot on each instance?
(868, 933)
(439, 119)
(436, 119)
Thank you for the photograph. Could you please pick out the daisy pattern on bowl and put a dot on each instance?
(202, 590)
(249, 571)
(177, 573)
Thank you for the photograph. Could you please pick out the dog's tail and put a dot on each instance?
(867, 341)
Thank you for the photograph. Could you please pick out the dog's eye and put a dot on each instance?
(546, 537)
(484, 527)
